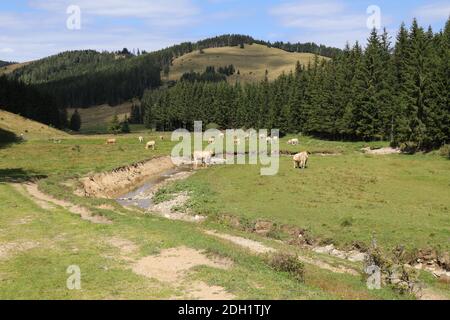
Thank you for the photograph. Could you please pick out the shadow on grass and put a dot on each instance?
(18, 175)
(7, 138)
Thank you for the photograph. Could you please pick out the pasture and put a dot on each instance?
(403, 199)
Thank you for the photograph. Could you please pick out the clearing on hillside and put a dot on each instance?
(31, 129)
(252, 62)
(12, 67)
(96, 119)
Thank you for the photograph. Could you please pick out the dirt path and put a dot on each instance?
(46, 201)
(173, 267)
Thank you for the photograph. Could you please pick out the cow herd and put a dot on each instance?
(204, 157)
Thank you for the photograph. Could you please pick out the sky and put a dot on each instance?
(33, 29)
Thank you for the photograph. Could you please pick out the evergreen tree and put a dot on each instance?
(75, 121)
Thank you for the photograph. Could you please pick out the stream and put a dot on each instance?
(141, 197)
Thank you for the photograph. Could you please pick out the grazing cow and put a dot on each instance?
(211, 140)
(141, 139)
(301, 160)
(150, 144)
(202, 157)
(293, 142)
(111, 141)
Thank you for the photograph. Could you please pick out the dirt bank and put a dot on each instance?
(122, 180)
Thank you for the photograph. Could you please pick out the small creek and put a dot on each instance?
(141, 197)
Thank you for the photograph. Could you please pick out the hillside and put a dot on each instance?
(18, 125)
(252, 62)
(9, 68)
(97, 118)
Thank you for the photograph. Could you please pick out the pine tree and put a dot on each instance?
(75, 121)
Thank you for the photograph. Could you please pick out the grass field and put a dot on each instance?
(402, 198)
(38, 245)
(252, 62)
(97, 118)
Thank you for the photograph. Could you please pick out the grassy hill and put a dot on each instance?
(32, 130)
(252, 62)
(7, 69)
(96, 119)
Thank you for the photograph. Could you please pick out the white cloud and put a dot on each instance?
(433, 12)
(308, 8)
(6, 50)
(160, 10)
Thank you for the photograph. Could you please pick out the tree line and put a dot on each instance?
(29, 102)
(396, 92)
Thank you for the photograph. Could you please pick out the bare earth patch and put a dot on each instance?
(7, 250)
(125, 246)
(166, 209)
(119, 181)
(382, 151)
(83, 212)
(173, 266)
(252, 245)
(42, 204)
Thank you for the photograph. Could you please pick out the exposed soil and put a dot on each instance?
(382, 151)
(83, 212)
(253, 246)
(7, 250)
(42, 204)
(122, 180)
(173, 266)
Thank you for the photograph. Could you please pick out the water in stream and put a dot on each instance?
(141, 197)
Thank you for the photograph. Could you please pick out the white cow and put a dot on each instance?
(150, 144)
(293, 142)
(202, 157)
(141, 139)
(301, 160)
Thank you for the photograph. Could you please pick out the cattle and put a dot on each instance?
(202, 157)
(301, 160)
(141, 139)
(150, 144)
(211, 140)
(161, 138)
(111, 141)
(293, 142)
(269, 140)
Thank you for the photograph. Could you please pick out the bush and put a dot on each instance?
(285, 262)
(212, 125)
(445, 151)
(409, 147)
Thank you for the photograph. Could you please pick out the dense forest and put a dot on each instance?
(398, 93)
(19, 98)
(85, 78)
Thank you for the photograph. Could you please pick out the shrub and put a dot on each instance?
(285, 262)
(409, 147)
(445, 151)
(212, 125)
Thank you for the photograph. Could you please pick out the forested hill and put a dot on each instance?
(85, 78)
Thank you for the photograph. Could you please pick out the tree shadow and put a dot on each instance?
(18, 175)
(7, 138)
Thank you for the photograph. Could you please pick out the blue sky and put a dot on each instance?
(32, 29)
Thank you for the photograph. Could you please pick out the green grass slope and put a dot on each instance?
(252, 62)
